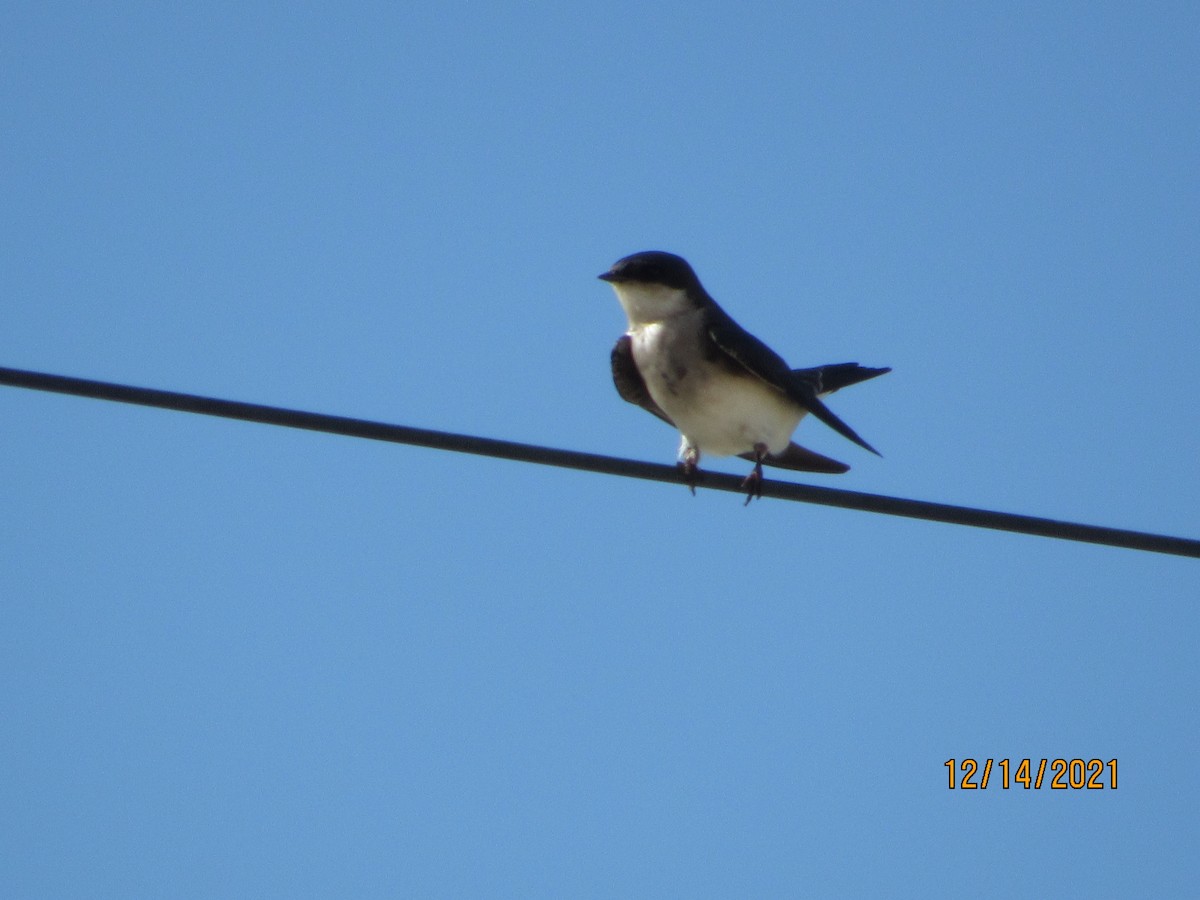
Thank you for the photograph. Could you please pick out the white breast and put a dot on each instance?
(719, 413)
(732, 415)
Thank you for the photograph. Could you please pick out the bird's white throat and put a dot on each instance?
(645, 303)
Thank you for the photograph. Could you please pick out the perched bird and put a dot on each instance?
(729, 394)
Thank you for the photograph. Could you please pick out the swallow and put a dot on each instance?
(685, 360)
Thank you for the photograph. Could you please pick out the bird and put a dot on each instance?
(686, 361)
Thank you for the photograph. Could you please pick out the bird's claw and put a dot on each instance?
(752, 484)
(691, 473)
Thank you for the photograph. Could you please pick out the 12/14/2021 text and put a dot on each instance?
(1074, 774)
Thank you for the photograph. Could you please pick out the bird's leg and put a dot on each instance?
(689, 462)
(753, 482)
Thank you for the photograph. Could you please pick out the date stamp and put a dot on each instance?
(1031, 774)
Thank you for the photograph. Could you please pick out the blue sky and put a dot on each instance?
(238, 660)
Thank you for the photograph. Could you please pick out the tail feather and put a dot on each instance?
(827, 379)
(801, 459)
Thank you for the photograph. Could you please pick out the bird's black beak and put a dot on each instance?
(607, 276)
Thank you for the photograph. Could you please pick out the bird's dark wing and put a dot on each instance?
(827, 379)
(745, 351)
(756, 358)
(801, 459)
(630, 384)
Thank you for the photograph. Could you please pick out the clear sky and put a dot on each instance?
(239, 661)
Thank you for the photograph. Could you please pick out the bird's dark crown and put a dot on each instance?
(653, 267)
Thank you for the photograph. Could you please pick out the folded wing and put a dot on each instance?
(629, 382)
(764, 363)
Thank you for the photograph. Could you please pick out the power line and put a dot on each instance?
(593, 462)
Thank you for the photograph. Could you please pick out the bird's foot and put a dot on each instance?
(690, 466)
(752, 484)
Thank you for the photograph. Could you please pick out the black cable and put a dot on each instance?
(592, 462)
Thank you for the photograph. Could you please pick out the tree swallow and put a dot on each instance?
(729, 394)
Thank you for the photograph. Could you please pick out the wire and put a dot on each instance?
(593, 462)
